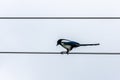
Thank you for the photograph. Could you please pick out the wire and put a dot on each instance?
(85, 53)
(59, 17)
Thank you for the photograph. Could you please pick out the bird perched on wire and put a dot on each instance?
(69, 45)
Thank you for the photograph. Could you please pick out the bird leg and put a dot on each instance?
(67, 51)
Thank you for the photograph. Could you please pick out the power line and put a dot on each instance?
(85, 53)
(59, 17)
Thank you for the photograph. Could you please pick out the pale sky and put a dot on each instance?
(42, 35)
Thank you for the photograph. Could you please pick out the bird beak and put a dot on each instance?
(57, 44)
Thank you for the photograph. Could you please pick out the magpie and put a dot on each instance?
(69, 45)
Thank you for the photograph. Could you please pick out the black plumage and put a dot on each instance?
(69, 45)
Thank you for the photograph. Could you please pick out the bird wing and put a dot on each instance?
(72, 43)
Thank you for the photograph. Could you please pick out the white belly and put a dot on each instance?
(66, 46)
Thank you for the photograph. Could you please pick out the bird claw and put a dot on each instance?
(63, 52)
(67, 52)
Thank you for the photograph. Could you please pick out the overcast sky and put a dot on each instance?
(42, 35)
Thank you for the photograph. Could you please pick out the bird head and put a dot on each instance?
(59, 42)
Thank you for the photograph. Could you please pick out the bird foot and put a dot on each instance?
(67, 52)
(64, 52)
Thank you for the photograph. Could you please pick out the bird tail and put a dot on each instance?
(89, 44)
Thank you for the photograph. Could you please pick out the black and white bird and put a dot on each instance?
(69, 45)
